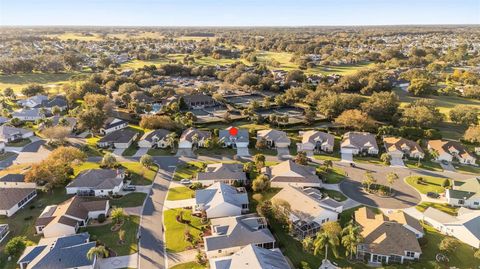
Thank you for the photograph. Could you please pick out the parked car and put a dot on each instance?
(185, 181)
(444, 162)
(129, 188)
(432, 194)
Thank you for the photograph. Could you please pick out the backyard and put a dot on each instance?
(175, 231)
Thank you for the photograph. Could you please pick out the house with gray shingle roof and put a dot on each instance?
(231, 234)
(222, 172)
(221, 200)
(464, 193)
(192, 138)
(97, 182)
(359, 143)
(112, 124)
(59, 253)
(290, 173)
(120, 139)
(14, 196)
(239, 141)
(34, 101)
(11, 134)
(29, 114)
(315, 142)
(274, 138)
(155, 139)
(252, 257)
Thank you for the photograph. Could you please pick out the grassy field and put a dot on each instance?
(77, 36)
(52, 82)
(333, 157)
(175, 231)
(442, 207)
(180, 193)
(130, 200)
(429, 184)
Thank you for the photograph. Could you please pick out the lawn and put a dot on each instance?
(6, 155)
(19, 81)
(429, 184)
(187, 170)
(180, 193)
(427, 165)
(15, 169)
(322, 157)
(140, 175)
(369, 160)
(216, 151)
(442, 207)
(133, 199)
(266, 195)
(92, 149)
(110, 239)
(160, 152)
(19, 143)
(175, 231)
(188, 265)
(334, 175)
(131, 150)
(335, 195)
(467, 169)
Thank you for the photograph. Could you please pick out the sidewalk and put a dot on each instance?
(129, 261)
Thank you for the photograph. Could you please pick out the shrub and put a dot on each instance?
(16, 246)
(423, 241)
(257, 197)
(28, 218)
(196, 185)
(446, 183)
(101, 218)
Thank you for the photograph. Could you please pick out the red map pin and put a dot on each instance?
(233, 131)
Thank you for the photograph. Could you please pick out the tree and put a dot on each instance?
(328, 164)
(158, 122)
(109, 161)
(381, 106)
(351, 238)
(309, 116)
(477, 254)
(307, 244)
(327, 237)
(16, 246)
(420, 87)
(421, 113)
(465, 115)
(368, 180)
(146, 160)
(56, 133)
(448, 244)
(118, 215)
(98, 251)
(391, 178)
(356, 120)
(121, 235)
(261, 143)
(472, 134)
(91, 119)
(9, 93)
(261, 183)
(259, 160)
(386, 158)
(32, 90)
(171, 139)
(301, 158)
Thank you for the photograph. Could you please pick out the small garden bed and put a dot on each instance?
(379, 190)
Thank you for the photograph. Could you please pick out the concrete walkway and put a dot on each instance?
(135, 211)
(140, 152)
(118, 152)
(181, 257)
(179, 203)
(129, 261)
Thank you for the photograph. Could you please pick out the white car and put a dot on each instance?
(185, 181)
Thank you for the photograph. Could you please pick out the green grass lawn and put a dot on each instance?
(110, 239)
(266, 195)
(429, 184)
(140, 175)
(160, 152)
(52, 82)
(467, 169)
(19, 143)
(336, 195)
(175, 231)
(180, 193)
(130, 151)
(427, 165)
(130, 200)
(92, 149)
(187, 170)
(334, 175)
(216, 151)
(442, 207)
(188, 265)
(322, 157)
(369, 160)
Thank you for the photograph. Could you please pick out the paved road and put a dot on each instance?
(151, 249)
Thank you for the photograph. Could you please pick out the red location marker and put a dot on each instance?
(233, 131)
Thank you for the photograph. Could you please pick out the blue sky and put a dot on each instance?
(238, 12)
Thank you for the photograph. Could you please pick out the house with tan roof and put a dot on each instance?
(193, 138)
(221, 200)
(252, 257)
(356, 143)
(464, 193)
(385, 240)
(67, 217)
(307, 209)
(97, 182)
(290, 173)
(398, 147)
(228, 173)
(316, 142)
(451, 150)
(14, 196)
(274, 138)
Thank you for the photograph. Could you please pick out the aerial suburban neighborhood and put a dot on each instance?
(233, 146)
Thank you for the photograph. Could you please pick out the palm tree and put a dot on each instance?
(118, 215)
(99, 251)
(391, 178)
(195, 140)
(328, 164)
(434, 154)
(171, 139)
(328, 236)
(351, 237)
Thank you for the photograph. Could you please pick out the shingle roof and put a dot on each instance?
(289, 171)
(274, 135)
(159, 134)
(242, 135)
(399, 144)
(13, 178)
(9, 131)
(253, 257)
(9, 197)
(97, 179)
(218, 194)
(111, 122)
(119, 136)
(465, 189)
(444, 146)
(314, 136)
(190, 132)
(223, 171)
(359, 140)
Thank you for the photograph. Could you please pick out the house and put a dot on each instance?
(67, 217)
(33, 102)
(3, 120)
(120, 139)
(274, 138)
(221, 200)
(306, 209)
(2, 147)
(385, 240)
(96, 182)
(398, 147)
(231, 234)
(155, 139)
(464, 193)
(197, 101)
(451, 150)
(64, 121)
(465, 226)
(33, 153)
(252, 257)
(57, 101)
(193, 138)
(290, 173)
(11, 134)
(238, 141)
(113, 124)
(14, 196)
(29, 114)
(315, 142)
(61, 252)
(356, 143)
(228, 173)
(12, 178)
(4, 231)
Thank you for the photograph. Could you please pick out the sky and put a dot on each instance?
(238, 12)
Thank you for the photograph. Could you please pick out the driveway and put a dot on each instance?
(243, 152)
(140, 152)
(129, 261)
(151, 243)
(448, 167)
(347, 157)
(185, 153)
(118, 152)
(396, 162)
(283, 153)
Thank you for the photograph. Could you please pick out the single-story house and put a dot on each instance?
(155, 139)
(193, 138)
(12, 178)
(29, 114)
(97, 182)
(239, 141)
(62, 252)
(120, 139)
(33, 102)
(465, 226)
(67, 217)
(306, 209)
(398, 147)
(14, 196)
(196, 101)
(464, 193)
(315, 142)
(252, 257)
(290, 173)
(274, 138)
(112, 124)
(64, 121)
(221, 200)
(11, 134)
(451, 150)
(3, 120)
(4, 231)
(231, 234)
(384, 240)
(359, 143)
(222, 172)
